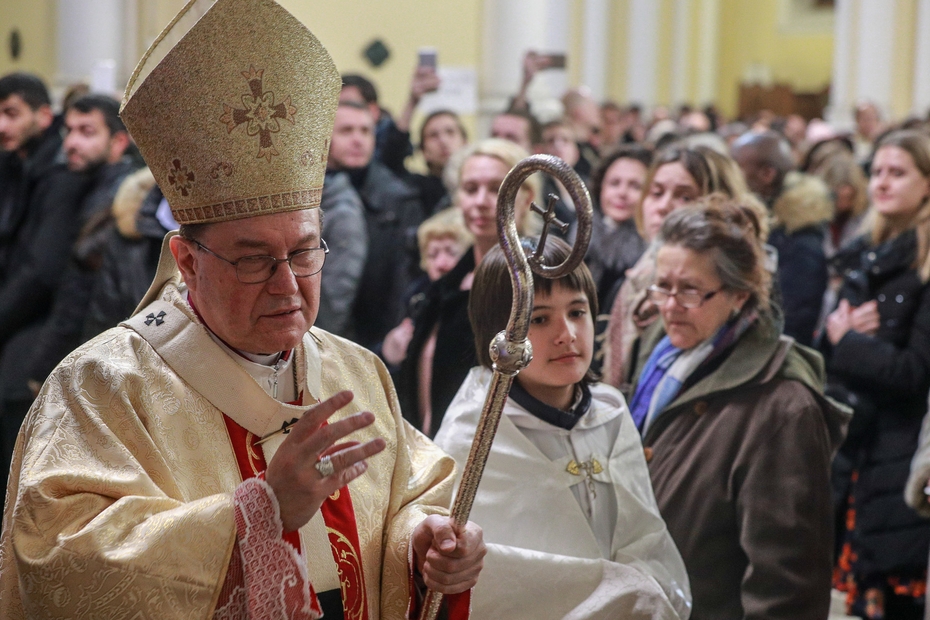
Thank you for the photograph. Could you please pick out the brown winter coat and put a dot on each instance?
(740, 465)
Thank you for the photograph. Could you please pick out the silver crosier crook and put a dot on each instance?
(510, 350)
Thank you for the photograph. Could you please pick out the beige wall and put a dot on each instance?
(751, 33)
(618, 52)
(36, 22)
(346, 27)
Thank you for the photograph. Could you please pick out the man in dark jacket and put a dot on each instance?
(39, 199)
(802, 208)
(95, 144)
(392, 214)
(392, 144)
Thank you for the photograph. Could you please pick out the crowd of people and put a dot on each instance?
(722, 417)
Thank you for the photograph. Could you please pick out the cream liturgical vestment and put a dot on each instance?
(544, 560)
(136, 489)
(125, 497)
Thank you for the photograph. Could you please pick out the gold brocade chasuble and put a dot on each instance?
(120, 495)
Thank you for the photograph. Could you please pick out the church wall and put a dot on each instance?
(665, 49)
(902, 67)
(36, 22)
(759, 40)
(346, 27)
(762, 40)
(576, 39)
(618, 51)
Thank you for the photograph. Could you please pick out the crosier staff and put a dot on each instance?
(510, 350)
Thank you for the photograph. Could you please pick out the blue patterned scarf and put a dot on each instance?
(668, 367)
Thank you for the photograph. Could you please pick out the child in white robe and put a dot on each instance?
(567, 508)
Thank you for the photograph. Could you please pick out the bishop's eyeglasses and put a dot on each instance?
(257, 269)
(688, 298)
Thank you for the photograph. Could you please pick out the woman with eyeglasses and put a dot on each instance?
(737, 432)
(679, 175)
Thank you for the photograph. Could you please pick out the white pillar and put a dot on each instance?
(876, 52)
(90, 38)
(921, 96)
(594, 47)
(708, 59)
(511, 27)
(681, 52)
(643, 52)
(863, 58)
(842, 99)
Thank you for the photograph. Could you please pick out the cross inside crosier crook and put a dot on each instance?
(510, 350)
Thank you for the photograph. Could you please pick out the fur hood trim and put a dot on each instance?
(129, 199)
(805, 201)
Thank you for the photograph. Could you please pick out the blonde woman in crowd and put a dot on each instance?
(880, 363)
(849, 188)
(441, 351)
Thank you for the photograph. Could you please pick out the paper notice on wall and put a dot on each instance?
(103, 77)
(458, 91)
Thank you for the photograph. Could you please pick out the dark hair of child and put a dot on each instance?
(492, 293)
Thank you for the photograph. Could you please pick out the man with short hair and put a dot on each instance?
(615, 122)
(392, 143)
(392, 213)
(519, 127)
(206, 457)
(558, 138)
(39, 200)
(25, 112)
(95, 144)
(802, 208)
(94, 134)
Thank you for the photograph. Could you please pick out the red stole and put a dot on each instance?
(338, 515)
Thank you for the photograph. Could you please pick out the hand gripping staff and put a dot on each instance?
(510, 350)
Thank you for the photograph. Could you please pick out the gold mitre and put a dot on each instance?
(232, 108)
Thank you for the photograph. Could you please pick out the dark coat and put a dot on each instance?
(740, 465)
(130, 258)
(446, 310)
(392, 214)
(888, 376)
(41, 201)
(612, 251)
(802, 213)
(64, 328)
(392, 146)
(432, 191)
